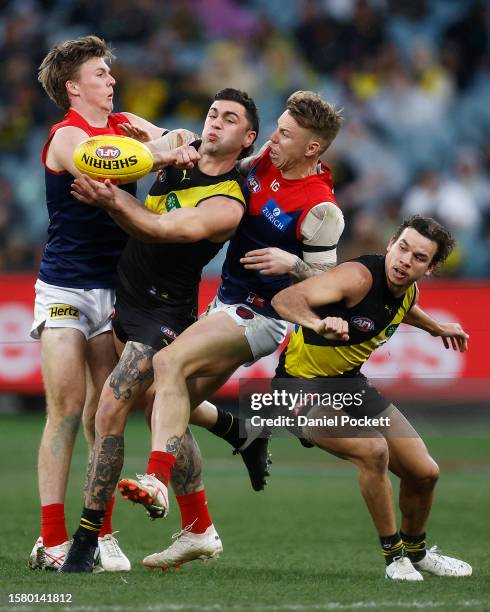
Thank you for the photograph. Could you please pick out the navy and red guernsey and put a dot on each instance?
(84, 243)
(276, 209)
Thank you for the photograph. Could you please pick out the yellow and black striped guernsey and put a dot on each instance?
(372, 322)
(171, 272)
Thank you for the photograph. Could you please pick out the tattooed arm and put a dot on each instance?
(320, 231)
(302, 270)
(186, 475)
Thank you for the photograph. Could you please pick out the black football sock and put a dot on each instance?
(414, 546)
(228, 427)
(90, 525)
(392, 547)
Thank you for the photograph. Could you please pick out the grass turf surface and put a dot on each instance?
(307, 542)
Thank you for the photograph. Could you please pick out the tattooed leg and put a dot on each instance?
(103, 471)
(186, 475)
(212, 347)
(126, 386)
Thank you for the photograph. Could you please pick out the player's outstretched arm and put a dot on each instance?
(349, 282)
(125, 209)
(216, 219)
(452, 334)
(161, 146)
(152, 130)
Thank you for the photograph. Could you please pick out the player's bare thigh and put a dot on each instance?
(63, 354)
(210, 347)
(358, 444)
(409, 457)
(101, 360)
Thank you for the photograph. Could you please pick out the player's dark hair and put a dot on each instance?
(63, 62)
(431, 229)
(251, 112)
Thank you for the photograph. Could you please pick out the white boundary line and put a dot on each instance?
(171, 607)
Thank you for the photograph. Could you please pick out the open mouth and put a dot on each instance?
(399, 274)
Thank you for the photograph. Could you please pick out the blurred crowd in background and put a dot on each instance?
(413, 78)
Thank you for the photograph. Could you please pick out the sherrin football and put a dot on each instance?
(118, 158)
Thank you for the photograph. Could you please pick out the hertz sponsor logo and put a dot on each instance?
(63, 311)
(109, 164)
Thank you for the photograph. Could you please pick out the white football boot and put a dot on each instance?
(34, 557)
(401, 568)
(52, 558)
(440, 565)
(148, 491)
(112, 558)
(187, 547)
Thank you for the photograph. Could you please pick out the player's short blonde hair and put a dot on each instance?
(63, 61)
(314, 113)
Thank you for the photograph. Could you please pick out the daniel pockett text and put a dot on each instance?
(300, 401)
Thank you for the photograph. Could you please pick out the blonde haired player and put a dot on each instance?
(75, 286)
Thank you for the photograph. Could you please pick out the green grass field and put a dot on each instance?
(305, 543)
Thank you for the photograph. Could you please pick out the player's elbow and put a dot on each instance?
(279, 302)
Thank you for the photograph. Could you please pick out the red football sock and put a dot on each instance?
(194, 511)
(53, 525)
(161, 464)
(107, 523)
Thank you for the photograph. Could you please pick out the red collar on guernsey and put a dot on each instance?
(73, 118)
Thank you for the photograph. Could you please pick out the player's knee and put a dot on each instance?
(429, 475)
(164, 362)
(59, 409)
(376, 458)
(111, 415)
(423, 476)
(64, 426)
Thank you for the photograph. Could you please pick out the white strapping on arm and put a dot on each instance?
(175, 138)
(321, 230)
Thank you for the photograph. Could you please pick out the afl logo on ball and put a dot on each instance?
(362, 324)
(253, 184)
(107, 152)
